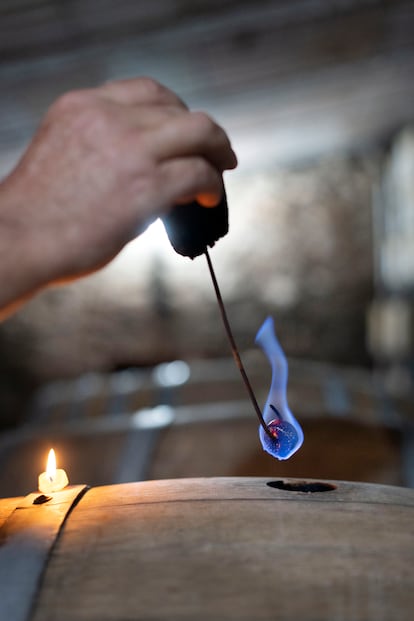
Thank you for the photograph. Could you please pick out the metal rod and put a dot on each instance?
(234, 349)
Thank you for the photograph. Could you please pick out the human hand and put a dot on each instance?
(104, 163)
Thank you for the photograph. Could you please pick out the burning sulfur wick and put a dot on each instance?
(235, 351)
(288, 433)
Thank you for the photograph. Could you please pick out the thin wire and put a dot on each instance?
(234, 349)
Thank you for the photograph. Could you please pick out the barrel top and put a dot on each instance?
(247, 488)
(211, 548)
(234, 548)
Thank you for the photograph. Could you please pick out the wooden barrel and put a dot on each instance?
(245, 549)
(354, 431)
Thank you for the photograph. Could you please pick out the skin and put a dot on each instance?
(104, 163)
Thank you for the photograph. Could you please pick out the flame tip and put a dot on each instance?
(266, 325)
(51, 463)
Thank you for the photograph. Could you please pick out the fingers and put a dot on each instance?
(193, 133)
(157, 118)
(185, 179)
(146, 132)
(170, 132)
(178, 132)
(146, 118)
(140, 91)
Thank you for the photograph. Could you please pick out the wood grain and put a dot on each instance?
(224, 549)
(7, 506)
(26, 539)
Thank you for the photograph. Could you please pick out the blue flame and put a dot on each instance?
(286, 429)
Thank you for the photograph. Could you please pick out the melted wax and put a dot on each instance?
(287, 433)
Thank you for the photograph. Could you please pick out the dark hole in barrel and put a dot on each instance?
(302, 486)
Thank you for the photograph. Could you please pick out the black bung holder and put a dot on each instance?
(191, 227)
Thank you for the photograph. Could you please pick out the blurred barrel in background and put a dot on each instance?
(191, 420)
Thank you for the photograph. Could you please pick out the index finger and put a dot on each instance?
(137, 91)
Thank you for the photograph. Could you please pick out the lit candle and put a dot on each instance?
(53, 480)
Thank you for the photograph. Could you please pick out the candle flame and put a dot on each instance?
(51, 465)
(53, 479)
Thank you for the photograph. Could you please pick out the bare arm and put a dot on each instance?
(103, 164)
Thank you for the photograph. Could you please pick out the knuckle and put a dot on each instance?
(203, 122)
(208, 129)
(80, 111)
(69, 102)
(155, 89)
(142, 90)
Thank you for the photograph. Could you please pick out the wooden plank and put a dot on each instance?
(233, 549)
(7, 506)
(26, 539)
